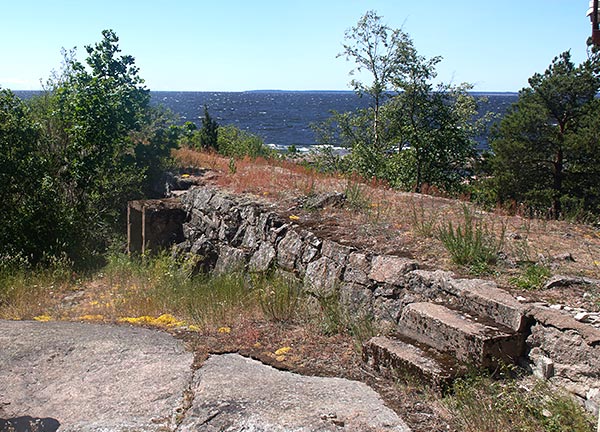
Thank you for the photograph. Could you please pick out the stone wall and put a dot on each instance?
(236, 232)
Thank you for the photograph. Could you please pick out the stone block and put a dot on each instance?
(457, 333)
(390, 269)
(358, 269)
(337, 252)
(323, 276)
(288, 250)
(230, 260)
(263, 258)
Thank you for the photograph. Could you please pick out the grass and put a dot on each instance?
(482, 404)
(471, 242)
(532, 277)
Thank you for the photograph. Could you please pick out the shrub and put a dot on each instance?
(471, 243)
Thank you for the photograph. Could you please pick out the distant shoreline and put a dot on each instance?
(29, 93)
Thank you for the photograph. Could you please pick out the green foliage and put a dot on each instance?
(84, 148)
(281, 298)
(546, 147)
(534, 276)
(479, 403)
(237, 143)
(208, 135)
(470, 243)
(413, 133)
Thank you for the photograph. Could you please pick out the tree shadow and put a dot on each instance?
(29, 424)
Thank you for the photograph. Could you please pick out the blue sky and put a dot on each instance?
(236, 45)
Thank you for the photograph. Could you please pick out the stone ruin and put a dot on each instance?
(437, 323)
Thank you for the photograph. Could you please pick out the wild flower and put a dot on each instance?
(225, 330)
(43, 318)
(294, 217)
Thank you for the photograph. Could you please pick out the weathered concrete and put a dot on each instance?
(451, 331)
(235, 393)
(407, 359)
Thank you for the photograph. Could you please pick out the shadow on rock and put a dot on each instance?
(29, 424)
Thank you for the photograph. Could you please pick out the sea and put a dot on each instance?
(284, 118)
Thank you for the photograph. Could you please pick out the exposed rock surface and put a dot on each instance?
(68, 377)
(91, 377)
(235, 393)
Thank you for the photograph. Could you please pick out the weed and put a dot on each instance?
(281, 299)
(335, 318)
(356, 197)
(471, 242)
(480, 403)
(534, 276)
(424, 221)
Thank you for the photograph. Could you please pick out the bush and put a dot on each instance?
(237, 143)
(471, 243)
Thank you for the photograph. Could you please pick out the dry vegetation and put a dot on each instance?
(383, 220)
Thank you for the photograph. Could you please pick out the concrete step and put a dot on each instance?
(487, 300)
(482, 297)
(401, 357)
(468, 338)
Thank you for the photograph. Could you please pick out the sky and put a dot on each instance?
(240, 45)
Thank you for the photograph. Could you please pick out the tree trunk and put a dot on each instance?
(557, 183)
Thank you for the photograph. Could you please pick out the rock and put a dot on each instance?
(582, 316)
(319, 201)
(357, 298)
(542, 366)
(556, 306)
(263, 258)
(230, 260)
(337, 252)
(560, 281)
(563, 257)
(323, 276)
(592, 401)
(390, 269)
(357, 269)
(288, 250)
(235, 393)
(92, 378)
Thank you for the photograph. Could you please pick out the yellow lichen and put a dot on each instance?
(164, 320)
(283, 350)
(91, 317)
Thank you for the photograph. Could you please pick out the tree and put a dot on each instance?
(208, 131)
(431, 127)
(546, 147)
(419, 133)
(75, 155)
(382, 52)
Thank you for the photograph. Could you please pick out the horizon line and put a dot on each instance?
(272, 91)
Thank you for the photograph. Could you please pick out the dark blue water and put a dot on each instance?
(284, 118)
(281, 118)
